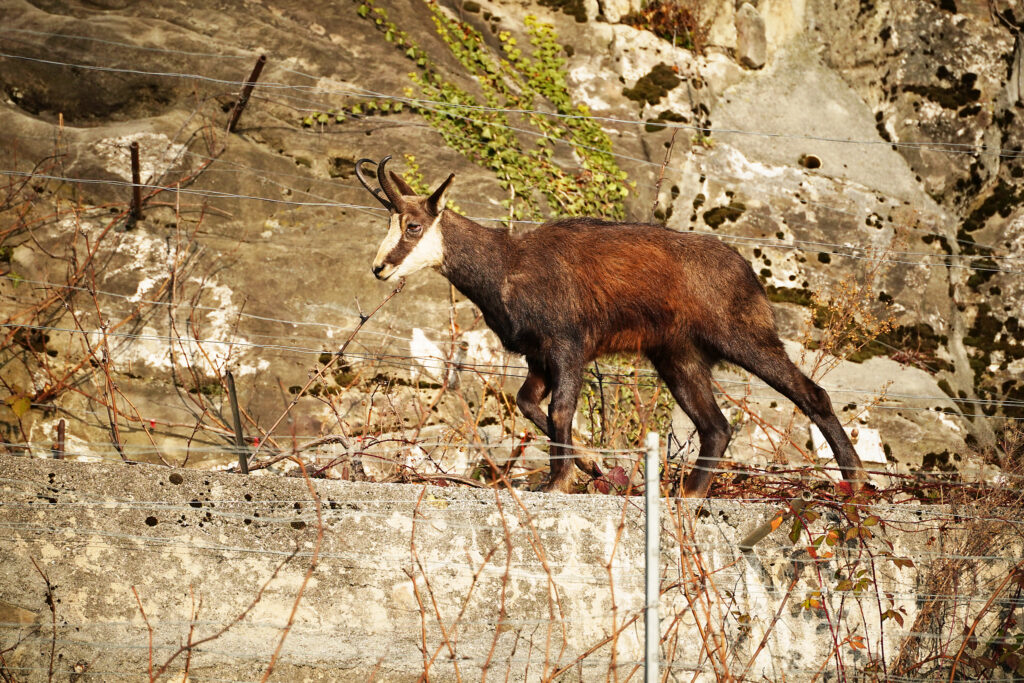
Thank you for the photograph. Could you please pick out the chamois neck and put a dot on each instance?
(475, 259)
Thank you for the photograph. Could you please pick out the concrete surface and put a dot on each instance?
(531, 598)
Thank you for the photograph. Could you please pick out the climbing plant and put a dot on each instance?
(501, 128)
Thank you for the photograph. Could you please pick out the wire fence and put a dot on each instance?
(955, 148)
(737, 597)
(36, 515)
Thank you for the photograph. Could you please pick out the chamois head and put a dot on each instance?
(414, 237)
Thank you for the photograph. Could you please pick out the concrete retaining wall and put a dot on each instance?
(526, 587)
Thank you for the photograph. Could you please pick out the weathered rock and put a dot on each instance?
(270, 275)
(615, 10)
(751, 41)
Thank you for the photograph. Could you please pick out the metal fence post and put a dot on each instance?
(652, 565)
(243, 455)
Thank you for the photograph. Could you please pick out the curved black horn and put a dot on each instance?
(385, 183)
(374, 191)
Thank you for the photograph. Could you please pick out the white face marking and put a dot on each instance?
(390, 242)
(429, 250)
(427, 253)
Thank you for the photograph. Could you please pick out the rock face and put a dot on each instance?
(751, 41)
(865, 157)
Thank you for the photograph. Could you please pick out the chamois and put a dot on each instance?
(575, 289)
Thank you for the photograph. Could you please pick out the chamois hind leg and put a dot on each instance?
(533, 391)
(689, 380)
(770, 362)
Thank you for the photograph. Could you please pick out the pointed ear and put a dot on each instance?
(436, 201)
(402, 186)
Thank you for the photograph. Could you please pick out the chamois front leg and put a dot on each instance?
(534, 390)
(566, 385)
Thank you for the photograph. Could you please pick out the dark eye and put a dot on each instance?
(413, 229)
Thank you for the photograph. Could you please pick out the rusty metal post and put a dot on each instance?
(243, 457)
(58, 448)
(243, 99)
(136, 184)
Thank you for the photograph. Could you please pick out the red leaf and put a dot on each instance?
(617, 477)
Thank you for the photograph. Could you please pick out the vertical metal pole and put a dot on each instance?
(243, 456)
(652, 566)
(136, 188)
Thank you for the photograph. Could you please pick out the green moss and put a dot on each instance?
(658, 123)
(870, 350)
(574, 8)
(471, 6)
(208, 389)
(720, 214)
(1002, 200)
(789, 295)
(937, 461)
(959, 93)
(340, 167)
(651, 87)
(984, 269)
(943, 242)
(986, 336)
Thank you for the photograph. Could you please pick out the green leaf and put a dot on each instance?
(844, 585)
(794, 533)
(363, 11)
(21, 405)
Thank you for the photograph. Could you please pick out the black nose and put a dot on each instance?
(377, 269)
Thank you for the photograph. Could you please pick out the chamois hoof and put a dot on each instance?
(556, 486)
(859, 481)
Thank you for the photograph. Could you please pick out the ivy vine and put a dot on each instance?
(501, 129)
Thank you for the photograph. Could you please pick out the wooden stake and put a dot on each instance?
(136, 184)
(243, 99)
